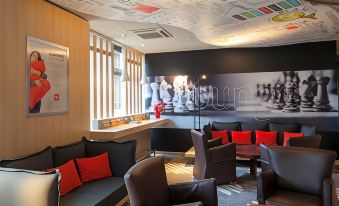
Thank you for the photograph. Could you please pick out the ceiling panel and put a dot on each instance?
(218, 23)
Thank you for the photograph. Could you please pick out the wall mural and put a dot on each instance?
(262, 95)
(247, 23)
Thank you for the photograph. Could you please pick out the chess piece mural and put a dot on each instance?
(166, 97)
(322, 102)
(308, 91)
(291, 92)
(180, 84)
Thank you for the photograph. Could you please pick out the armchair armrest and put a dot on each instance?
(204, 191)
(214, 142)
(266, 184)
(191, 204)
(223, 153)
(329, 195)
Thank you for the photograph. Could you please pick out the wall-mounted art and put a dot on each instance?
(263, 95)
(46, 78)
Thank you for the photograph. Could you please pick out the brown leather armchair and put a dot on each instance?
(299, 176)
(213, 160)
(147, 185)
(307, 142)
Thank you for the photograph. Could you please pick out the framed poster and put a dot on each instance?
(46, 78)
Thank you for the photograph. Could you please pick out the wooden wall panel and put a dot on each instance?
(37, 18)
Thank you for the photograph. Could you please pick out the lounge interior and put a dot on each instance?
(169, 102)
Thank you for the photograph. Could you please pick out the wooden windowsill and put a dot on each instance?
(131, 128)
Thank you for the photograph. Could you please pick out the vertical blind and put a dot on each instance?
(109, 96)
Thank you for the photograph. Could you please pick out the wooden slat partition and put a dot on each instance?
(95, 111)
(107, 81)
(103, 79)
(112, 77)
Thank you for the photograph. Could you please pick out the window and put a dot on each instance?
(109, 96)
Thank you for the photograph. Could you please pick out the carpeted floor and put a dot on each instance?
(238, 193)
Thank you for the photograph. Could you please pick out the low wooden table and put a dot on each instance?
(252, 152)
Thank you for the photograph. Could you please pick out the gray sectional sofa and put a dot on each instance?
(103, 192)
(308, 130)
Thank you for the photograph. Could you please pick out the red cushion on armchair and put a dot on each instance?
(241, 137)
(266, 138)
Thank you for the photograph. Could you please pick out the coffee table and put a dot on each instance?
(251, 151)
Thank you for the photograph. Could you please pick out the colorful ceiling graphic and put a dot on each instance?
(227, 23)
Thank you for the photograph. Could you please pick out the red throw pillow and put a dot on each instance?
(69, 177)
(220, 134)
(94, 168)
(266, 138)
(288, 135)
(243, 137)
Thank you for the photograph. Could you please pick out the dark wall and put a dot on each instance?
(308, 56)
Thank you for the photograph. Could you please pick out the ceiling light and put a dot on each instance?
(142, 45)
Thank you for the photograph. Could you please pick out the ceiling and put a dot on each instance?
(207, 24)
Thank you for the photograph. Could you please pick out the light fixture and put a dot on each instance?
(142, 45)
(203, 76)
(143, 79)
(124, 75)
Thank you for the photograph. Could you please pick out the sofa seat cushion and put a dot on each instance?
(288, 198)
(102, 192)
(281, 128)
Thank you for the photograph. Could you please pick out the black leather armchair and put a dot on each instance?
(213, 160)
(307, 141)
(147, 186)
(299, 176)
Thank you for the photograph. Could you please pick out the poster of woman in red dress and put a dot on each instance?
(47, 73)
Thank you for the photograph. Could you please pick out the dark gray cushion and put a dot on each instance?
(63, 154)
(37, 161)
(121, 155)
(229, 126)
(252, 126)
(207, 130)
(29, 188)
(308, 130)
(281, 128)
(104, 192)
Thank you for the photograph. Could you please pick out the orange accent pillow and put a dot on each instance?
(241, 137)
(266, 138)
(69, 177)
(220, 134)
(94, 168)
(288, 135)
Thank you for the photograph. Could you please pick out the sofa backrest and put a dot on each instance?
(281, 128)
(121, 155)
(301, 169)
(229, 126)
(36, 161)
(29, 188)
(252, 126)
(63, 154)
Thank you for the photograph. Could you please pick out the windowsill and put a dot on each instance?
(130, 128)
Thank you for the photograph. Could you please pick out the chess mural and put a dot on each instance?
(289, 93)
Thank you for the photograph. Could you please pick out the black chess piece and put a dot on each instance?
(279, 102)
(309, 92)
(291, 105)
(273, 95)
(296, 81)
(322, 102)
